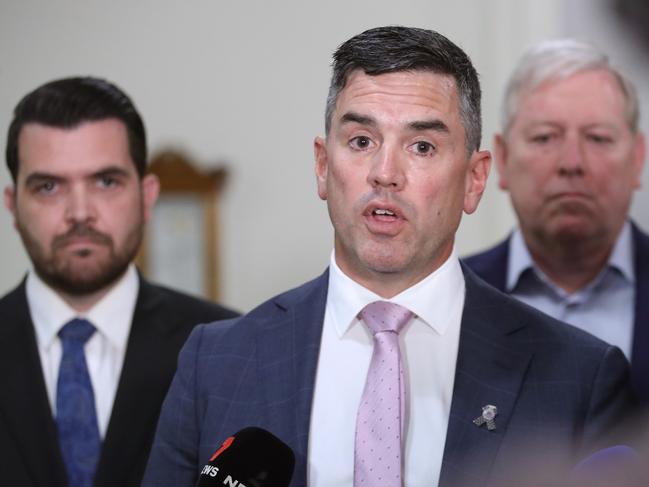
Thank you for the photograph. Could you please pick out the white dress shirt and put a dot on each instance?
(604, 307)
(105, 350)
(429, 345)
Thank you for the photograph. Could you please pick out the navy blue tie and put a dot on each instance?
(76, 417)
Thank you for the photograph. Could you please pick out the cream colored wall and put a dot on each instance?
(245, 83)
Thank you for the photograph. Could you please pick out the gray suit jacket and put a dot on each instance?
(259, 370)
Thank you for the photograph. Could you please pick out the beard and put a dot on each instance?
(84, 271)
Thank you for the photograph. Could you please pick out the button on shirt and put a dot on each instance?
(604, 307)
(429, 345)
(104, 351)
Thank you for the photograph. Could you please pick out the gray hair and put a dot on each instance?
(396, 48)
(560, 59)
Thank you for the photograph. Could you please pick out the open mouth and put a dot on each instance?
(383, 212)
(384, 220)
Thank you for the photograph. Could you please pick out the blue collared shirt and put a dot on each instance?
(604, 307)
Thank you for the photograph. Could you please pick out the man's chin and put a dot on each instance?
(82, 282)
(80, 287)
(574, 230)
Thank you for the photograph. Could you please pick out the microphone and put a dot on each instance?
(253, 457)
(617, 465)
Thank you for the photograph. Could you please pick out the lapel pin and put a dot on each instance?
(488, 417)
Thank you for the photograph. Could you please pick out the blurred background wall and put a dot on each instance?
(243, 84)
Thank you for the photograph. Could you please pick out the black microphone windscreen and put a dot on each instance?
(253, 457)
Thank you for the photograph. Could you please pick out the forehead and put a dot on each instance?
(83, 149)
(399, 97)
(588, 97)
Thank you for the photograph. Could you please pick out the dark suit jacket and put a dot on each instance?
(491, 266)
(259, 370)
(29, 452)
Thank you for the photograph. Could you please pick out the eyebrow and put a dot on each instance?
(353, 117)
(433, 124)
(38, 177)
(418, 125)
(110, 171)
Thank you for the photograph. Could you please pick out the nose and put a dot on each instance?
(79, 206)
(571, 159)
(387, 170)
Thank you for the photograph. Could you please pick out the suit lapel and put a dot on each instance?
(139, 393)
(24, 406)
(639, 356)
(489, 371)
(288, 358)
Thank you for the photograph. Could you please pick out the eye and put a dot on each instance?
(361, 142)
(107, 181)
(46, 187)
(542, 138)
(599, 139)
(423, 148)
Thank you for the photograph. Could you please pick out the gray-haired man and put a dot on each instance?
(571, 156)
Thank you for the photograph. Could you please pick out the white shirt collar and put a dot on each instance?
(111, 316)
(433, 299)
(520, 259)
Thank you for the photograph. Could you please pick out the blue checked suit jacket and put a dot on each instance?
(259, 370)
(491, 265)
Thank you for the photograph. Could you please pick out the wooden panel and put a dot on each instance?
(179, 175)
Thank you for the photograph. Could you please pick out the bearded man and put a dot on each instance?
(87, 347)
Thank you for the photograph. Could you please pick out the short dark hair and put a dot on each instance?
(67, 103)
(396, 48)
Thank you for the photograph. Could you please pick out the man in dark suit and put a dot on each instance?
(76, 151)
(571, 156)
(397, 366)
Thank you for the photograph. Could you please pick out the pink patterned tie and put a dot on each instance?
(379, 425)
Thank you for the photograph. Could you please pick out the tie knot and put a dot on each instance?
(77, 330)
(384, 316)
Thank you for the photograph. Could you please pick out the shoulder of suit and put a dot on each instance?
(312, 290)
(274, 309)
(189, 306)
(640, 238)
(486, 257)
(15, 298)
